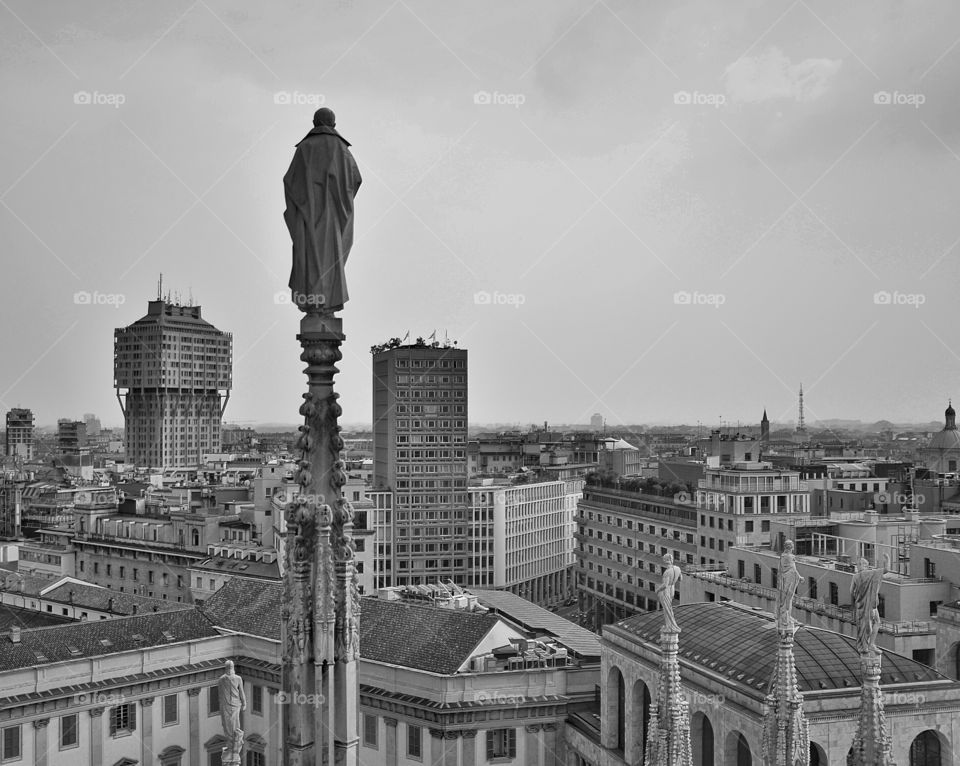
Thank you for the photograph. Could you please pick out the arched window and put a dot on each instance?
(926, 750)
(196, 537)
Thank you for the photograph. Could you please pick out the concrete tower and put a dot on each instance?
(173, 373)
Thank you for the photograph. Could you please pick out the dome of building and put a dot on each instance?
(947, 439)
(741, 644)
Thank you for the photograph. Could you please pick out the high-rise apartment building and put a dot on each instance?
(19, 434)
(71, 436)
(173, 374)
(421, 508)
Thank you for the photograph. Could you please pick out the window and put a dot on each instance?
(257, 702)
(834, 594)
(369, 730)
(213, 700)
(11, 743)
(812, 586)
(255, 759)
(757, 578)
(170, 712)
(68, 731)
(414, 741)
(123, 719)
(501, 743)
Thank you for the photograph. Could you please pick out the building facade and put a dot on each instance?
(18, 439)
(173, 375)
(621, 538)
(420, 464)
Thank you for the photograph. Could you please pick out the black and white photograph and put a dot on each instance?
(457, 383)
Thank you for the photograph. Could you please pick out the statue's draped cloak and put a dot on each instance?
(319, 187)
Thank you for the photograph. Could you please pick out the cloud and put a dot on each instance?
(770, 75)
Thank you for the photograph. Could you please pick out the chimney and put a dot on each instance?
(15, 634)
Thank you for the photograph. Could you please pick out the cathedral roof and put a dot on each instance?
(741, 645)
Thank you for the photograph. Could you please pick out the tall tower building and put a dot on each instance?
(422, 510)
(173, 374)
(764, 427)
(19, 435)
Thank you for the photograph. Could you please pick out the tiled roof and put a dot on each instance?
(412, 635)
(92, 597)
(742, 645)
(14, 616)
(62, 643)
(247, 606)
(417, 636)
(536, 619)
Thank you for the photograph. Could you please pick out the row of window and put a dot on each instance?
(501, 743)
(122, 719)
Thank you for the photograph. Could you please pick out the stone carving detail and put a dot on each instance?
(668, 730)
(320, 615)
(871, 743)
(786, 737)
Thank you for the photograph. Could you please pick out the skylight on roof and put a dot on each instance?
(74, 650)
(167, 635)
(106, 643)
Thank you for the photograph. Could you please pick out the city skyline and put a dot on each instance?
(658, 211)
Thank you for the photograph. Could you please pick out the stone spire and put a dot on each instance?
(668, 732)
(321, 606)
(871, 743)
(786, 739)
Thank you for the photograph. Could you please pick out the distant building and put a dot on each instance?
(736, 505)
(621, 539)
(71, 437)
(421, 506)
(596, 421)
(941, 456)
(19, 434)
(93, 424)
(173, 375)
(229, 560)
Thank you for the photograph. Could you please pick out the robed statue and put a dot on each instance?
(319, 187)
(232, 701)
(865, 592)
(665, 592)
(786, 589)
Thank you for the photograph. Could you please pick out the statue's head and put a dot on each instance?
(229, 667)
(667, 559)
(788, 546)
(863, 564)
(324, 116)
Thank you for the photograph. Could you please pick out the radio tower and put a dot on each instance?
(801, 433)
(800, 416)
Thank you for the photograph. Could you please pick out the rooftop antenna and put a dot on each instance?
(191, 296)
(160, 288)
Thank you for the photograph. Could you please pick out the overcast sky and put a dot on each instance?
(679, 211)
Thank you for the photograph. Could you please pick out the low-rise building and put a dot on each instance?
(727, 655)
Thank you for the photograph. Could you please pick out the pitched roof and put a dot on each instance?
(419, 636)
(93, 597)
(14, 616)
(247, 606)
(741, 644)
(62, 643)
(416, 636)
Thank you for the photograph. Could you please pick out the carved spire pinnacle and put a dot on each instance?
(871, 743)
(786, 738)
(668, 737)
